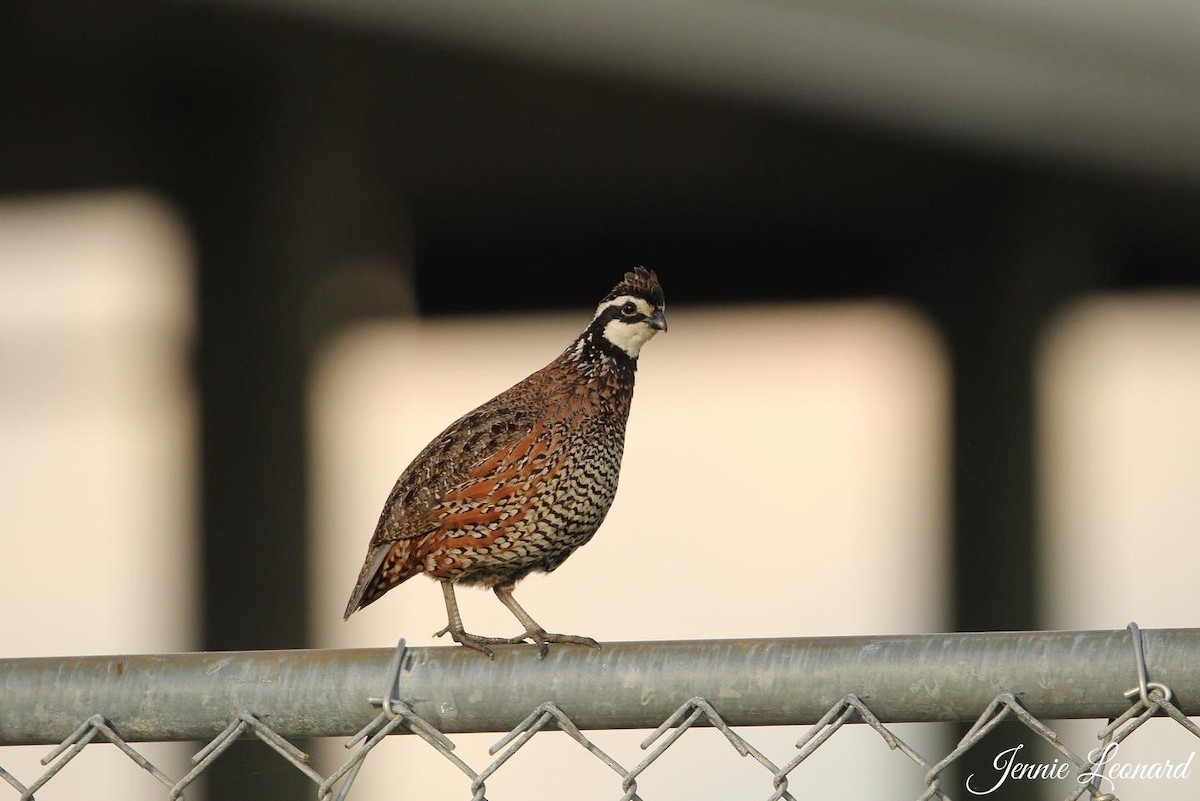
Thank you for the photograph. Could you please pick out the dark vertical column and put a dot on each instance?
(289, 193)
(253, 482)
(994, 304)
(1045, 251)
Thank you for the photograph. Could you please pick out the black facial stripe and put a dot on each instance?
(615, 313)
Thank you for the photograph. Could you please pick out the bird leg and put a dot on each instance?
(455, 627)
(533, 631)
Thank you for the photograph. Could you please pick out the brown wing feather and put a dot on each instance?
(454, 467)
(490, 493)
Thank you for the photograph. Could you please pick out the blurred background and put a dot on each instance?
(934, 359)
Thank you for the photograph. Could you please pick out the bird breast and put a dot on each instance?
(528, 507)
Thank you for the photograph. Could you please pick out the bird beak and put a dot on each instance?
(658, 320)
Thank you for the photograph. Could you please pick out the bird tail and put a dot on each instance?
(386, 565)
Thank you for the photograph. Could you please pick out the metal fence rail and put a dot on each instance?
(1126, 676)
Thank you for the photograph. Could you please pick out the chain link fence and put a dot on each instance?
(1124, 677)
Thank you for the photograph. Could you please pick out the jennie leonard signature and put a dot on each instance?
(1104, 772)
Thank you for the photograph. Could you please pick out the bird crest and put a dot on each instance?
(640, 282)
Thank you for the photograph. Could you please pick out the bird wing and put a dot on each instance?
(453, 466)
(492, 490)
(451, 469)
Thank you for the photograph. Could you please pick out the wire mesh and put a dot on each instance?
(1145, 700)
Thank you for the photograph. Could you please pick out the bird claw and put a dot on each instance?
(542, 640)
(475, 641)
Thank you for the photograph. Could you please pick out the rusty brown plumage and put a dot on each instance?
(519, 483)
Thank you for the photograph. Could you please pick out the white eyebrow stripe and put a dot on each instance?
(642, 304)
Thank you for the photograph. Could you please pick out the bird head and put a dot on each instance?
(632, 313)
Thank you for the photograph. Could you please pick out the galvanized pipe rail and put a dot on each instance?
(934, 677)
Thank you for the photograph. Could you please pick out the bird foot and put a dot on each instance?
(475, 641)
(539, 637)
(542, 639)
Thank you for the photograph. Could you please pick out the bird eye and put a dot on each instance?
(629, 309)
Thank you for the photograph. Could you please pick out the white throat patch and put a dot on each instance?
(629, 337)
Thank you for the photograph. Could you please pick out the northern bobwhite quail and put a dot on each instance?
(518, 484)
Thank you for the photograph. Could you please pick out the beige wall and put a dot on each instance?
(1119, 381)
(97, 462)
